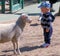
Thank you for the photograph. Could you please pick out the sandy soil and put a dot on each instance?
(32, 38)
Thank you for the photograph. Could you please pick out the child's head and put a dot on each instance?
(45, 7)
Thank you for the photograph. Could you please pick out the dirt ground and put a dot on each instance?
(32, 38)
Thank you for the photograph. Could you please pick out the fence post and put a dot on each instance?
(39, 1)
(10, 5)
(3, 6)
(22, 2)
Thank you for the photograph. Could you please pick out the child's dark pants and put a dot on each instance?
(47, 35)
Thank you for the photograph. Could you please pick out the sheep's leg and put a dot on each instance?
(14, 47)
(18, 51)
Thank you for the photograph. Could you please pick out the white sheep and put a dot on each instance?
(12, 32)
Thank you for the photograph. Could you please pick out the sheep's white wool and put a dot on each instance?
(12, 32)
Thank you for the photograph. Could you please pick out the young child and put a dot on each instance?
(46, 22)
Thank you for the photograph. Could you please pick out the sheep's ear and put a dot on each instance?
(21, 17)
(24, 15)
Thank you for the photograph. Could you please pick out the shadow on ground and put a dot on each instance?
(26, 48)
(6, 55)
(35, 24)
(23, 49)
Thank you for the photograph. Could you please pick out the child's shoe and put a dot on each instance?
(45, 45)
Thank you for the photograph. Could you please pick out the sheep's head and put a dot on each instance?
(26, 18)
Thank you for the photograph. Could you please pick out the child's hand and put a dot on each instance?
(47, 30)
(39, 19)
